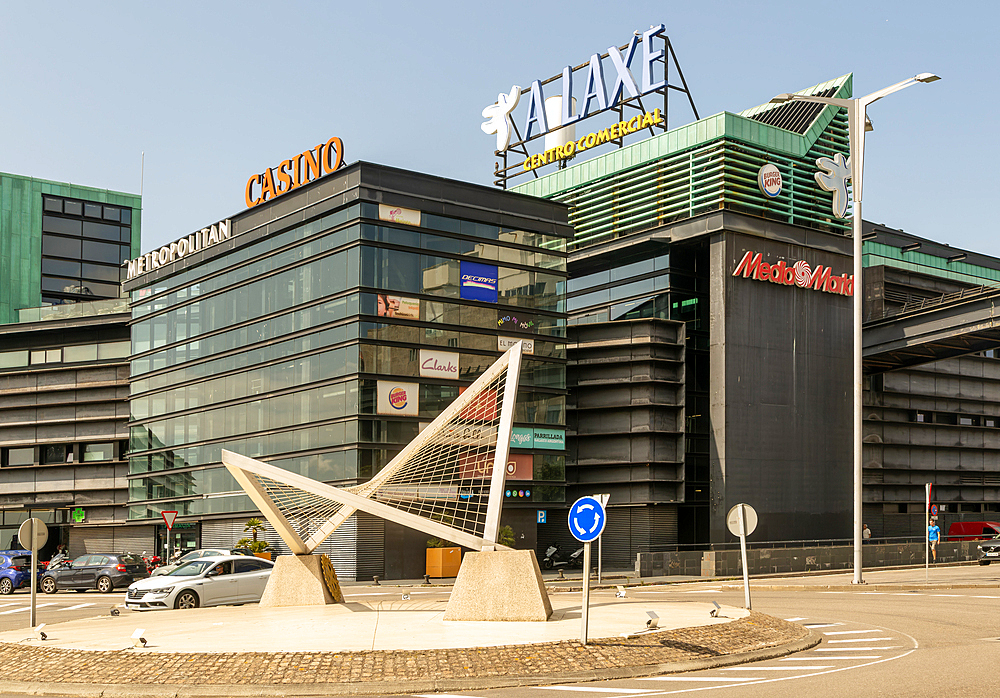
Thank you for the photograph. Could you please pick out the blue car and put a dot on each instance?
(15, 570)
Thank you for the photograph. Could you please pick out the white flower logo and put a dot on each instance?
(834, 178)
(499, 116)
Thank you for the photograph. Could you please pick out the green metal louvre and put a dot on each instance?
(708, 165)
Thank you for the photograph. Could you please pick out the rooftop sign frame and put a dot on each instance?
(625, 93)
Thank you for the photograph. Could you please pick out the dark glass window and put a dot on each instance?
(127, 216)
(60, 453)
(102, 231)
(61, 247)
(60, 267)
(92, 210)
(112, 214)
(101, 272)
(20, 456)
(101, 252)
(58, 284)
(53, 204)
(73, 208)
(66, 226)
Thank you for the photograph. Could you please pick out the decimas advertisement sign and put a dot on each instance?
(398, 398)
(438, 364)
(479, 282)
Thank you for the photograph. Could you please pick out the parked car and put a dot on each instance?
(973, 530)
(15, 570)
(204, 581)
(99, 571)
(989, 550)
(196, 554)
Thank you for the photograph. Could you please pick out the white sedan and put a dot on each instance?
(207, 581)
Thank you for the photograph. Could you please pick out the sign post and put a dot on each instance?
(586, 523)
(168, 518)
(33, 534)
(927, 533)
(742, 521)
(600, 539)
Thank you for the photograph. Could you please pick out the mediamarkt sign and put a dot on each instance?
(800, 274)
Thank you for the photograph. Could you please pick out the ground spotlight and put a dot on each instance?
(654, 620)
(137, 639)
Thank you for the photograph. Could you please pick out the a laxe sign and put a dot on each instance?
(596, 94)
(801, 274)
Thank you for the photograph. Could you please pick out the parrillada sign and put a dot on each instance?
(801, 274)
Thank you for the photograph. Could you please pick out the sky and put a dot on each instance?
(214, 92)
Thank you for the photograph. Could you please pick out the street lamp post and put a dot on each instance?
(858, 123)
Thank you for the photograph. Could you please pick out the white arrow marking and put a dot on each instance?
(597, 522)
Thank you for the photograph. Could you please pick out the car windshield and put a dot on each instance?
(191, 569)
(130, 559)
(190, 556)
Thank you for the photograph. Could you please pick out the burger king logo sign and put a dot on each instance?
(769, 180)
(398, 398)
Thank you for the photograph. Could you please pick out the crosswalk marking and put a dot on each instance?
(813, 626)
(985, 597)
(851, 632)
(595, 689)
(792, 620)
(73, 608)
(25, 608)
(863, 639)
(436, 695)
(747, 667)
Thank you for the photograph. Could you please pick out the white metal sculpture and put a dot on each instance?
(447, 482)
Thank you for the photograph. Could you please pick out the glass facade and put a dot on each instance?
(277, 349)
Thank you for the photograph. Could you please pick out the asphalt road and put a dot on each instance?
(55, 608)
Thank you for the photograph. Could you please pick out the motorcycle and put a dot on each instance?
(554, 559)
(152, 562)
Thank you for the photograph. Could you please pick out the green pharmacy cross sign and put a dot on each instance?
(78, 515)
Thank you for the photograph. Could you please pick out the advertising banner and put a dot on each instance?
(398, 306)
(552, 439)
(505, 343)
(478, 282)
(520, 466)
(398, 398)
(398, 214)
(519, 321)
(522, 437)
(482, 408)
(438, 364)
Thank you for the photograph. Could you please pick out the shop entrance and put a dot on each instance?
(183, 539)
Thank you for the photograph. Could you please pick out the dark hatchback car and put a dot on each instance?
(989, 550)
(103, 572)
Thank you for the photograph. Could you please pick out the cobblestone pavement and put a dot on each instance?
(653, 652)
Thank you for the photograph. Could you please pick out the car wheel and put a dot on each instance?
(48, 585)
(186, 599)
(104, 585)
(547, 563)
(6, 586)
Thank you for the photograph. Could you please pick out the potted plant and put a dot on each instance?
(257, 547)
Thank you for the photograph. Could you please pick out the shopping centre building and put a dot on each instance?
(319, 329)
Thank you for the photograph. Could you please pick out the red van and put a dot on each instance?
(973, 530)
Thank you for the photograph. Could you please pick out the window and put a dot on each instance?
(20, 456)
(57, 453)
(104, 451)
(13, 359)
(46, 356)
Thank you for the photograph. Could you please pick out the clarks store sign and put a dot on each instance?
(799, 274)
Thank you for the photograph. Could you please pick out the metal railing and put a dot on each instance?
(916, 305)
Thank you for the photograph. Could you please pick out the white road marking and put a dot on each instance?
(773, 668)
(594, 689)
(694, 678)
(833, 592)
(3, 605)
(703, 591)
(914, 594)
(26, 608)
(852, 632)
(436, 695)
(855, 649)
(959, 596)
(792, 620)
(984, 597)
(829, 658)
(862, 639)
(812, 626)
(73, 608)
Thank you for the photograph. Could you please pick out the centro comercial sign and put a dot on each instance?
(801, 274)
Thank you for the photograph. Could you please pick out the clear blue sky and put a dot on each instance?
(216, 91)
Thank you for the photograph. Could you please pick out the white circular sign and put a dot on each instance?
(36, 529)
(769, 180)
(749, 520)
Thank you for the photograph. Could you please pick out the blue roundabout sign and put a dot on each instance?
(587, 519)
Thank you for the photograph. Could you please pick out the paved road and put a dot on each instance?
(54, 608)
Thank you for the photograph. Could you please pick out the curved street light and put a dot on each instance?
(856, 116)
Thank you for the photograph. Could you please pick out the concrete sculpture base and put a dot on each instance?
(499, 585)
(302, 580)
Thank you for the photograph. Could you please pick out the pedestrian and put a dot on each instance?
(866, 533)
(933, 535)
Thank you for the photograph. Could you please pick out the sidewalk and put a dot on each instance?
(381, 647)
